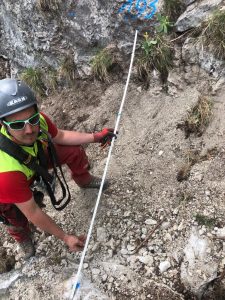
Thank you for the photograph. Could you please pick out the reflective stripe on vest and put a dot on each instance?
(9, 164)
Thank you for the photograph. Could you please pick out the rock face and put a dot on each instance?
(43, 34)
(35, 34)
(195, 14)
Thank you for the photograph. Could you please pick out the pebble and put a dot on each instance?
(220, 233)
(95, 271)
(165, 225)
(110, 252)
(207, 193)
(201, 231)
(150, 222)
(104, 277)
(124, 251)
(168, 237)
(18, 265)
(147, 260)
(144, 230)
(164, 266)
(139, 89)
(96, 247)
(180, 227)
(127, 214)
(101, 235)
(86, 265)
(130, 247)
(111, 279)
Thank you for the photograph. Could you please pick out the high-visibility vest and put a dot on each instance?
(9, 163)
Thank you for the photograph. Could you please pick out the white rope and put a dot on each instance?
(75, 286)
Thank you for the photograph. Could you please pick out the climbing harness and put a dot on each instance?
(77, 284)
(39, 165)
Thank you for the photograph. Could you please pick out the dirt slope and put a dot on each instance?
(148, 153)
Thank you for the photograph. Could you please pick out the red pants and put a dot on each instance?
(76, 159)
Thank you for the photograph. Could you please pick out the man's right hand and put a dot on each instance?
(75, 243)
(104, 137)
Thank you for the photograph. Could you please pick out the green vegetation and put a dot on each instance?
(34, 78)
(199, 117)
(173, 9)
(68, 68)
(156, 54)
(164, 24)
(204, 220)
(51, 79)
(213, 34)
(101, 64)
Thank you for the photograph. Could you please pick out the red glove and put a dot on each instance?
(104, 137)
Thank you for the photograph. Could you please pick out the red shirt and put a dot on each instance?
(14, 186)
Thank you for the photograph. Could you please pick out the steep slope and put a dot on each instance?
(144, 189)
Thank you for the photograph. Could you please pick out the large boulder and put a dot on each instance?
(195, 14)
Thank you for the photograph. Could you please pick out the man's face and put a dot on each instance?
(27, 135)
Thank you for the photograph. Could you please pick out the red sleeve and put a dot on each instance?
(15, 188)
(52, 129)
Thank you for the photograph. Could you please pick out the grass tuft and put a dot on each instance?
(213, 34)
(199, 117)
(34, 78)
(67, 69)
(157, 54)
(204, 220)
(51, 79)
(101, 64)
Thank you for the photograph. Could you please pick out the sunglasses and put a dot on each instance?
(20, 124)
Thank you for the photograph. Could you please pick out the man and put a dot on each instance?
(22, 123)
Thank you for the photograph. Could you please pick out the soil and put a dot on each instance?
(148, 154)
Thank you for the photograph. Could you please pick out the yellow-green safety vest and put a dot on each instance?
(10, 164)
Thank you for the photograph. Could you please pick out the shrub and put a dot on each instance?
(213, 34)
(156, 54)
(101, 64)
(34, 78)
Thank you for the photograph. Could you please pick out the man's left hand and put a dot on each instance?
(75, 243)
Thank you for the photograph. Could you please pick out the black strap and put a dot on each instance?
(55, 163)
(28, 160)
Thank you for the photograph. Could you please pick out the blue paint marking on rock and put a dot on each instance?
(144, 9)
(71, 14)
